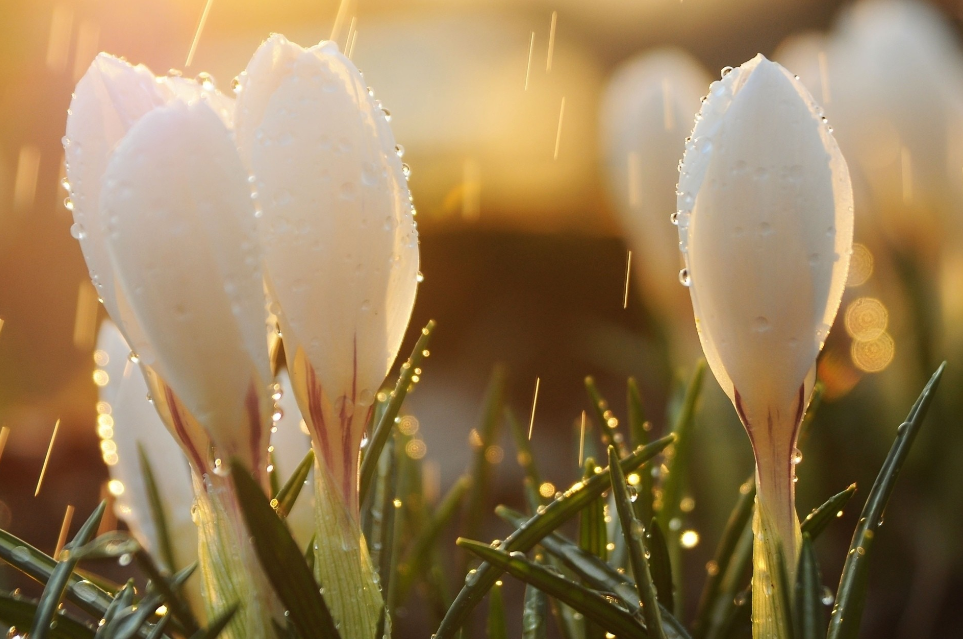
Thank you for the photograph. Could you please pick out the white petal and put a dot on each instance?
(110, 97)
(341, 251)
(182, 238)
(768, 235)
(646, 114)
(136, 423)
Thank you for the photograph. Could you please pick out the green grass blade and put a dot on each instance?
(733, 602)
(282, 561)
(740, 516)
(158, 630)
(817, 521)
(158, 513)
(285, 496)
(535, 608)
(217, 626)
(17, 611)
(53, 592)
(660, 564)
(496, 626)
(393, 524)
(541, 524)
(588, 602)
(170, 590)
(633, 532)
(607, 420)
(592, 535)
(525, 456)
(597, 573)
(487, 432)
(851, 594)
(810, 623)
(639, 436)
(379, 437)
(673, 482)
(274, 475)
(784, 592)
(426, 541)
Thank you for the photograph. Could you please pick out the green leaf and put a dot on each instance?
(274, 474)
(128, 621)
(17, 611)
(426, 541)
(170, 590)
(851, 594)
(379, 437)
(53, 592)
(123, 599)
(496, 625)
(639, 436)
(784, 592)
(660, 564)
(592, 535)
(541, 524)
(282, 561)
(633, 532)
(158, 631)
(607, 420)
(594, 606)
(732, 605)
(287, 495)
(740, 516)
(394, 522)
(810, 623)
(677, 461)
(817, 521)
(535, 609)
(218, 625)
(158, 514)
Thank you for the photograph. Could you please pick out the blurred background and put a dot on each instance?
(543, 139)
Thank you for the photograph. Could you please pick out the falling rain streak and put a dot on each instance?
(25, 184)
(4, 434)
(339, 20)
(628, 270)
(64, 528)
(46, 459)
(197, 34)
(551, 42)
(58, 46)
(531, 421)
(558, 135)
(581, 441)
(531, 49)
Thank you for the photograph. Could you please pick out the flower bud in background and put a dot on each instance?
(126, 424)
(645, 116)
(766, 227)
(341, 259)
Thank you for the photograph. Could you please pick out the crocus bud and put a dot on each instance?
(644, 119)
(766, 227)
(341, 260)
(181, 234)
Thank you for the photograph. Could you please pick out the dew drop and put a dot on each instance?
(68, 204)
(796, 456)
(726, 71)
(761, 325)
(685, 278)
(206, 80)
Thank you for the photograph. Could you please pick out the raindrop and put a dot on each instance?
(68, 204)
(65, 183)
(406, 170)
(206, 80)
(125, 559)
(685, 278)
(761, 325)
(400, 150)
(674, 218)
(21, 553)
(77, 231)
(726, 71)
(796, 456)
(420, 278)
(827, 597)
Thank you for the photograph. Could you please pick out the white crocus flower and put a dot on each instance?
(127, 418)
(644, 119)
(341, 260)
(766, 227)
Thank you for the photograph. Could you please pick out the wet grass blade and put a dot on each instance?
(525, 457)
(382, 430)
(170, 590)
(810, 623)
(817, 521)
(496, 626)
(541, 524)
(607, 420)
(740, 516)
(158, 514)
(158, 630)
(633, 532)
(639, 436)
(487, 435)
(282, 561)
(217, 626)
(784, 592)
(592, 535)
(393, 524)
(851, 594)
(732, 603)
(660, 564)
(588, 602)
(287, 495)
(677, 461)
(535, 608)
(17, 611)
(53, 592)
(426, 541)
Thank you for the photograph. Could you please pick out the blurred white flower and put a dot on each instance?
(339, 240)
(645, 115)
(766, 225)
